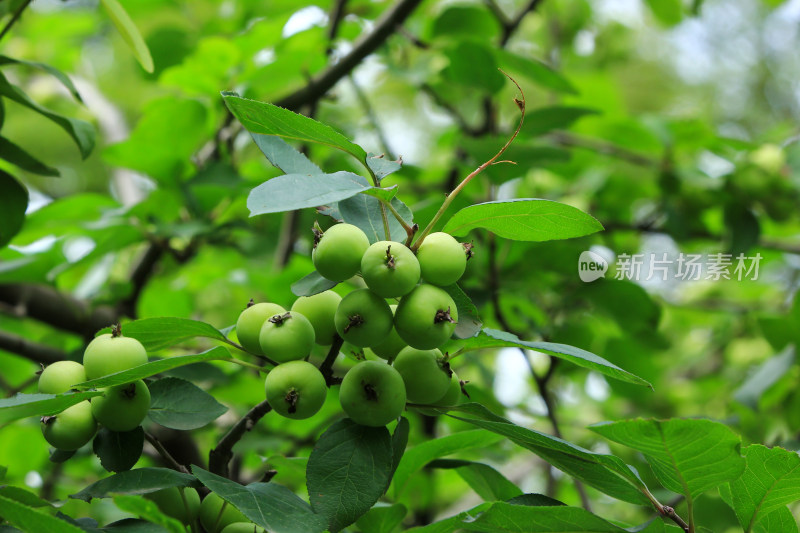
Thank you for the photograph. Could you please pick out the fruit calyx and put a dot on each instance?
(250, 304)
(280, 319)
(130, 390)
(390, 262)
(116, 330)
(291, 398)
(443, 316)
(468, 246)
(354, 322)
(369, 391)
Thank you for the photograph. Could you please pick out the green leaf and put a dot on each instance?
(453, 523)
(472, 64)
(466, 21)
(493, 338)
(23, 496)
(284, 156)
(382, 518)
(129, 32)
(381, 166)
(423, 453)
(364, 211)
(778, 521)
(24, 405)
(668, 12)
(118, 451)
(348, 471)
(312, 284)
(163, 332)
(771, 480)
(179, 404)
(399, 444)
(271, 506)
(544, 119)
(469, 323)
(767, 374)
(152, 368)
(60, 76)
(61, 456)
(29, 519)
(525, 219)
(606, 473)
(147, 510)
(534, 70)
(688, 457)
(487, 482)
(297, 191)
(13, 203)
(138, 481)
(19, 157)
(81, 131)
(269, 119)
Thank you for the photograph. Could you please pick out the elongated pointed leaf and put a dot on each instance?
(525, 219)
(493, 338)
(130, 33)
(139, 481)
(312, 284)
(271, 506)
(298, 191)
(180, 404)
(269, 119)
(17, 156)
(487, 482)
(81, 131)
(57, 74)
(687, 456)
(13, 203)
(163, 332)
(149, 511)
(24, 405)
(283, 156)
(30, 519)
(348, 471)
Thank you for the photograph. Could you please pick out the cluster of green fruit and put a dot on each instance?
(213, 513)
(408, 335)
(120, 408)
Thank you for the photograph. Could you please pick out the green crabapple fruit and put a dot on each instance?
(372, 393)
(390, 269)
(442, 259)
(70, 429)
(287, 337)
(337, 255)
(391, 345)
(320, 309)
(109, 354)
(426, 317)
(60, 377)
(216, 514)
(295, 389)
(248, 326)
(180, 503)
(425, 373)
(451, 398)
(363, 318)
(122, 407)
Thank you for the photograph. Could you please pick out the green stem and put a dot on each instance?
(450, 197)
(376, 182)
(246, 364)
(242, 348)
(410, 230)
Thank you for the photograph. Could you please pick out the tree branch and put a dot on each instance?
(15, 17)
(327, 365)
(162, 451)
(221, 455)
(39, 353)
(384, 27)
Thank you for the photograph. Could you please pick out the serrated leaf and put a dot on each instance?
(312, 284)
(607, 473)
(297, 191)
(469, 323)
(493, 338)
(138, 481)
(147, 510)
(425, 452)
(19, 157)
(29, 519)
(381, 166)
(364, 211)
(524, 219)
(348, 471)
(178, 404)
(271, 506)
(688, 457)
(284, 156)
(13, 203)
(382, 519)
(130, 33)
(269, 119)
(147, 370)
(81, 131)
(24, 405)
(163, 332)
(118, 451)
(769, 372)
(771, 480)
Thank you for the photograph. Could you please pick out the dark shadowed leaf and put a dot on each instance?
(544, 119)
(312, 284)
(13, 203)
(60, 76)
(30, 519)
(178, 404)
(118, 451)
(17, 156)
(138, 481)
(399, 443)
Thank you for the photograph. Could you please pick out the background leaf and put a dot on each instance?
(129, 32)
(29, 519)
(13, 203)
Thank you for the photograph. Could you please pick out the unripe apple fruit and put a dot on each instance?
(372, 394)
(287, 337)
(122, 407)
(426, 374)
(426, 317)
(391, 345)
(216, 514)
(107, 354)
(390, 269)
(71, 428)
(320, 309)
(442, 259)
(248, 326)
(183, 507)
(60, 377)
(337, 255)
(363, 318)
(295, 389)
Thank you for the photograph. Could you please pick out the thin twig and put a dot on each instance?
(220, 457)
(335, 17)
(164, 453)
(15, 17)
(327, 365)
